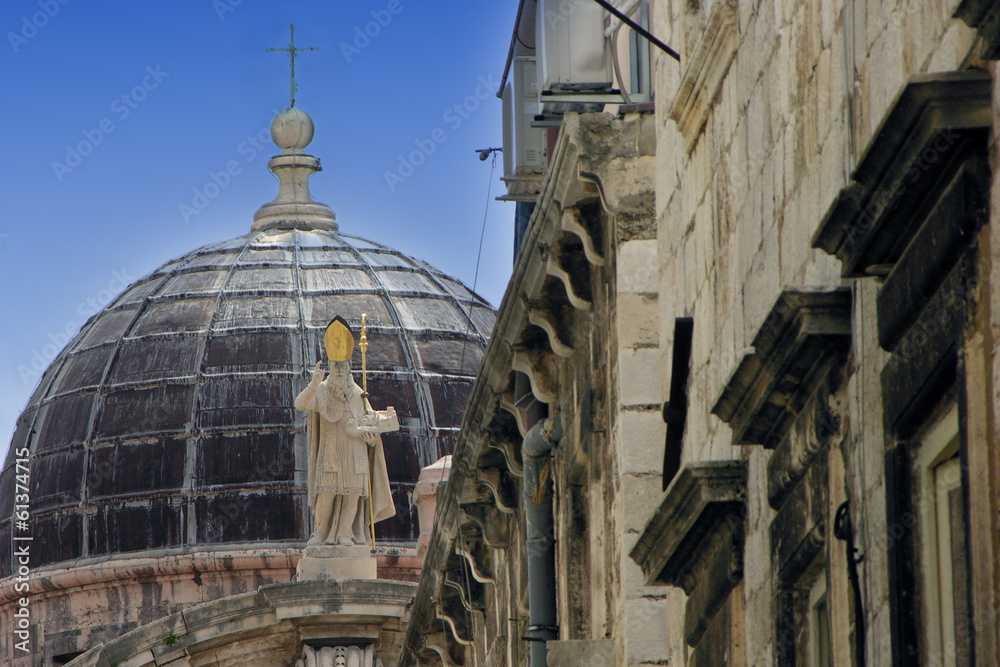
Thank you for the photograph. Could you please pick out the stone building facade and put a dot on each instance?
(747, 359)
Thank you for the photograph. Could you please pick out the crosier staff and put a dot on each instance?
(363, 345)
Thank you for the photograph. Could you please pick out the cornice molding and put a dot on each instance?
(766, 392)
(705, 72)
(935, 123)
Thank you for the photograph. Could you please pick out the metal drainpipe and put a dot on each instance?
(540, 543)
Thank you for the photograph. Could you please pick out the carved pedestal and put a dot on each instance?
(336, 563)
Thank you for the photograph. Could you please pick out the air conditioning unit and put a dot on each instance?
(571, 47)
(523, 145)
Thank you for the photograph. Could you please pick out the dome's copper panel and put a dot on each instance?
(168, 420)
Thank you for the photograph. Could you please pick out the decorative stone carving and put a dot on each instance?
(600, 177)
(338, 656)
(804, 333)
(821, 424)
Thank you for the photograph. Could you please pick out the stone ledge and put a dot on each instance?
(771, 383)
(702, 499)
(936, 120)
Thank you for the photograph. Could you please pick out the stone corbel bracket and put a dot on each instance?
(791, 353)
(491, 523)
(936, 122)
(454, 619)
(438, 644)
(694, 540)
(821, 424)
(705, 72)
(502, 491)
(510, 454)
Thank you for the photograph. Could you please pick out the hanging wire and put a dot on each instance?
(479, 257)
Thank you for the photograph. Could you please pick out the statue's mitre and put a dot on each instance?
(339, 340)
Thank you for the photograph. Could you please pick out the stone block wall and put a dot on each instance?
(745, 174)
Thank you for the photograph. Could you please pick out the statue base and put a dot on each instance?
(334, 563)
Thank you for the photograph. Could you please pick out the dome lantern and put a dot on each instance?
(293, 208)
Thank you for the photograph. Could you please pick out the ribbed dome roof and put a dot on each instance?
(168, 420)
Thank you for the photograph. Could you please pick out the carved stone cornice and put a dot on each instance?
(322, 613)
(803, 332)
(703, 500)
(936, 122)
(601, 167)
(705, 72)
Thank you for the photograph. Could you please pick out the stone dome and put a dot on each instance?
(168, 420)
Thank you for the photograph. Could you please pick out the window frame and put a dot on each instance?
(939, 446)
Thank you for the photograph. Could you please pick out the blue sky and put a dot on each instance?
(120, 113)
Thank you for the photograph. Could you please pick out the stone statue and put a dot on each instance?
(348, 483)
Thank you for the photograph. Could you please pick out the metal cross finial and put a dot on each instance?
(291, 49)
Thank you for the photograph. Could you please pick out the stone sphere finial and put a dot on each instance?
(292, 130)
(293, 208)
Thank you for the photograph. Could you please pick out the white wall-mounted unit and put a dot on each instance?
(529, 142)
(571, 46)
(523, 145)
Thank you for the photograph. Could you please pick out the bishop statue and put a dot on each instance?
(348, 483)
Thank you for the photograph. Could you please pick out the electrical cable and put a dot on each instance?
(479, 257)
(618, 69)
(611, 9)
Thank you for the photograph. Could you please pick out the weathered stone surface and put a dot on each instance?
(336, 564)
(267, 627)
(574, 652)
